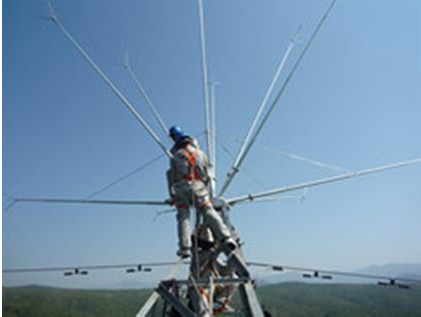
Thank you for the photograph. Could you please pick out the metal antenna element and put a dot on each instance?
(163, 212)
(212, 132)
(248, 146)
(317, 273)
(241, 153)
(90, 201)
(8, 202)
(225, 149)
(205, 82)
(88, 267)
(303, 159)
(143, 93)
(299, 158)
(9, 205)
(251, 197)
(110, 84)
(125, 176)
(279, 199)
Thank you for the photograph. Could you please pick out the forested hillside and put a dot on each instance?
(286, 299)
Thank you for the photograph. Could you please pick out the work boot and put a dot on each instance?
(184, 253)
(230, 243)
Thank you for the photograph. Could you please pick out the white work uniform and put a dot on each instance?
(187, 182)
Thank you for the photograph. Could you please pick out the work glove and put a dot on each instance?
(170, 201)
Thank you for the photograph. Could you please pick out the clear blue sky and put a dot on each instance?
(355, 102)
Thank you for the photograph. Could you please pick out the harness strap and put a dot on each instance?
(191, 159)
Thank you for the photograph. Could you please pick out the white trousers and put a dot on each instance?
(195, 194)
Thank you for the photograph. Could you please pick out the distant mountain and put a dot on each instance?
(402, 270)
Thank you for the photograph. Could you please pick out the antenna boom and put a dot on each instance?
(251, 197)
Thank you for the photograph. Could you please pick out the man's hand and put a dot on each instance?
(170, 201)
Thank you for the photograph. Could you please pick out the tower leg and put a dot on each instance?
(250, 301)
(175, 302)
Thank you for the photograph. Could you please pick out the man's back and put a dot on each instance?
(189, 163)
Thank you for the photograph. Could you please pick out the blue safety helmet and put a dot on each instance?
(176, 133)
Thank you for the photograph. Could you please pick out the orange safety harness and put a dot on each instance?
(193, 173)
(191, 159)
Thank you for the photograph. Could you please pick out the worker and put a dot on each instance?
(188, 182)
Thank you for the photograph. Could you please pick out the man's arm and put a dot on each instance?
(171, 176)
(170, 182)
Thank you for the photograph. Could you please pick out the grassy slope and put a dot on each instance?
(289, 299)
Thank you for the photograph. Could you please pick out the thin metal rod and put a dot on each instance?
(90, 201)
(251, 197)
(225, 149)
(8, 202)
(212, 133)
(238, 158)
(349, 274)
(9, 206)
(300, 158)
(249, 145)
(110, 84)
(278, 199)
(303, 159)
(125, 176)
(86, 267)
(145, 96)
(205, 79)
(163, 212)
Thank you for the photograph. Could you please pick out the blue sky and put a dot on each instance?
(355, 102)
